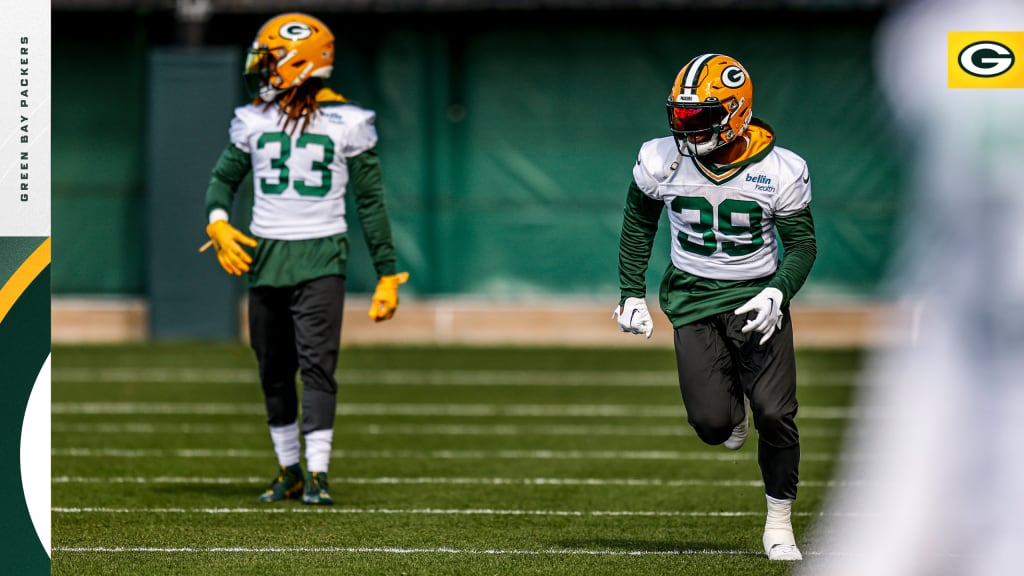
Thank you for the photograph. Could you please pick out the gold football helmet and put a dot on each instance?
(711, 103)
(289, 49)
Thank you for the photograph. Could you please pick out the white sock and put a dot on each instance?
(778, 527)
(318, 450)
(286, 443)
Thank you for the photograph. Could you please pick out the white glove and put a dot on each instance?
(634, 317)
(768, 304)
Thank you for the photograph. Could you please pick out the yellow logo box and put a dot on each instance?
(986, 59)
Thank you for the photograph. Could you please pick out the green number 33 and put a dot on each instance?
(705, 226)
(280, 163)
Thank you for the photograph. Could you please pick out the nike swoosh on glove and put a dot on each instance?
(768, 305)
(633, 317)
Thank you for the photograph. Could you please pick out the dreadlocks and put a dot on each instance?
(298, 105)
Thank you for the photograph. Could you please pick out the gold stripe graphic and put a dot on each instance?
(23, 277)
(719, 178)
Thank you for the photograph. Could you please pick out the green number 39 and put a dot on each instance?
(280, 163)
(705, 226)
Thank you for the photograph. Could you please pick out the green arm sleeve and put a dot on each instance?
(368, 186)
(799, 248)
(232, 167)
(639, 227)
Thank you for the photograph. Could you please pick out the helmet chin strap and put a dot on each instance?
(675, 163)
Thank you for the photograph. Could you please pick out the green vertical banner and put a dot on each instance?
(192, 94)
(25, 286)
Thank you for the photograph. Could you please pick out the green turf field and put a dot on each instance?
(446, 461)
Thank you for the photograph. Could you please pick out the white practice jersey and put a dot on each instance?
(723, 225)
(299, 180)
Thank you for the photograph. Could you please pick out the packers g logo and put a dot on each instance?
(295, 31)
(733, 77)
(985, 59)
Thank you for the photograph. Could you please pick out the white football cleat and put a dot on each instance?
(739, 433)
(779, 541)
(787, 552)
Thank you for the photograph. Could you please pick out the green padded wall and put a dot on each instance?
(507, 144)
(508, 152)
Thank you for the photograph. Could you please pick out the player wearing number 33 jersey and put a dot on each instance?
(732, 196)
(303, 145)
(300, 180)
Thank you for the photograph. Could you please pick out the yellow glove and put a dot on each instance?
(225, 238)
(385, 297)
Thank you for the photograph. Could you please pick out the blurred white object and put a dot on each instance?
(933, 482)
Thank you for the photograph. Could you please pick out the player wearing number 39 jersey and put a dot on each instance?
(304, 146)
(732, 196)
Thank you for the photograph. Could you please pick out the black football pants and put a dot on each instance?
(718, 365)
(293, 329)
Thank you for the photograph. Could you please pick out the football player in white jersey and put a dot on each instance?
(731, 196)
(303, 144)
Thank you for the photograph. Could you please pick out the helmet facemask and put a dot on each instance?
(700, 128)
(260, 69)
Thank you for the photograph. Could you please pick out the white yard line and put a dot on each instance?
(407, 429)
(443, 481)
(419, 409)
(543, 378)
(395, 550)
(422, 511)
(706, 455)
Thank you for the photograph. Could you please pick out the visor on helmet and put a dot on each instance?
(259, 68)
(695, 118)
